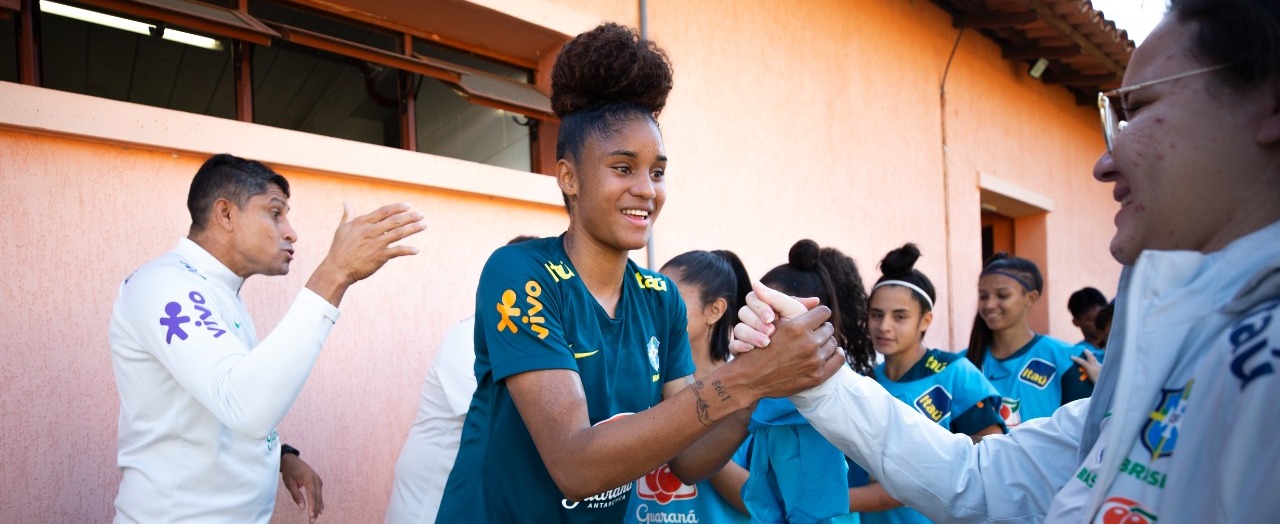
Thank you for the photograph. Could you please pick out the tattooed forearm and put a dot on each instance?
(720, 391)
(704, 409)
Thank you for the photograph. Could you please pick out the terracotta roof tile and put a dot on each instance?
(1102, 50)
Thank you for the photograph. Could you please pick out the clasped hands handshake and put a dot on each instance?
(787, 342)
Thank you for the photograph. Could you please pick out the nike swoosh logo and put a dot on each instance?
(585, 355)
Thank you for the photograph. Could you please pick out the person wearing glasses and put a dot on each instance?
(1181, 425)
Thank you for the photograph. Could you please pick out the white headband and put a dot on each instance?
(907, 285)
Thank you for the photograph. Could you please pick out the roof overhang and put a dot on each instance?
(1082, 50)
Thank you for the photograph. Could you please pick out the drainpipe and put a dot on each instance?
(946, 189)
(644, 35)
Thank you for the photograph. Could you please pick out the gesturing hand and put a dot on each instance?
(302, 481)
(1089, 364)
(362, 246)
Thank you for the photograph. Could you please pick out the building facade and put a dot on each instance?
(860, 124)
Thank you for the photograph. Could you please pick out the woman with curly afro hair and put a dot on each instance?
(585, 380)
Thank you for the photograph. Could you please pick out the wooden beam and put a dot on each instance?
(29, 43)
(1034, 52)
(242, 64)
(363, 52)
(361, 17)
(1047, 15)
(1076, 79)
(989, 20)
(242, 69)
(248, 28)
(408, 99)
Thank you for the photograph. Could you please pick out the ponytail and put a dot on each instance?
(717, 274)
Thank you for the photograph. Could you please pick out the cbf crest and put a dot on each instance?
(653, 356)
(1160, 434)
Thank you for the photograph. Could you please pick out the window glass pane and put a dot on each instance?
(297, 87)
(9, 48)
(300, 88)
(449, 125)
(323, 25)
(111, 63)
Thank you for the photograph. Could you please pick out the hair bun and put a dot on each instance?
(804, 255)
(606, 65)
(900, 262)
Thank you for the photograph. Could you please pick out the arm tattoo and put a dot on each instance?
(720, 391)
(704, 409)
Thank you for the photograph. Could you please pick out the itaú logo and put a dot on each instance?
(663, 486)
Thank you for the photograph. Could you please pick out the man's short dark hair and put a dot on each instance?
(1084, 300)
(230, 177)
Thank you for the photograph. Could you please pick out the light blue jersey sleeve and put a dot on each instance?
(977, 403)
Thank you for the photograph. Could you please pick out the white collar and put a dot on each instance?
(208, 265)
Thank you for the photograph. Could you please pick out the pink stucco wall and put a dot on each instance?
(80, 216)
(818, 119)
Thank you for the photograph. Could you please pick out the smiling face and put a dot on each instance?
(895, 321)
(261, 237)
(616, 189)
(1003, 303)
(1188, 169)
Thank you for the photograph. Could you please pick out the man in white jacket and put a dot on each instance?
(1181, 427)
(200, 396)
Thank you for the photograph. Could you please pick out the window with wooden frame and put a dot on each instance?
(306, 65)
(9, 40)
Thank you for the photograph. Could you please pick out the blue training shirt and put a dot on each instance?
(1098, 352)
(949, 390)
(1036, 379)
(533, 312)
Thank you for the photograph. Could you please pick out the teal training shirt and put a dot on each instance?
(949, 390)
(1098, 352)
(533, 312)
(1036, 379)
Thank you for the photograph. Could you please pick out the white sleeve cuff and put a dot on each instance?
(311, 300)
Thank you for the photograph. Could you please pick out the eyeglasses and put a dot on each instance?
(1112, 121)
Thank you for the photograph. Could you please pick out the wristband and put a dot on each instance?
(286, 449)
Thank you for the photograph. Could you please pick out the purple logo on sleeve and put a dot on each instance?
(174, 322)
(209, 323)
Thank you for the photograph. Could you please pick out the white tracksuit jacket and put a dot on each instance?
(1182, 426)
(200, 397)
